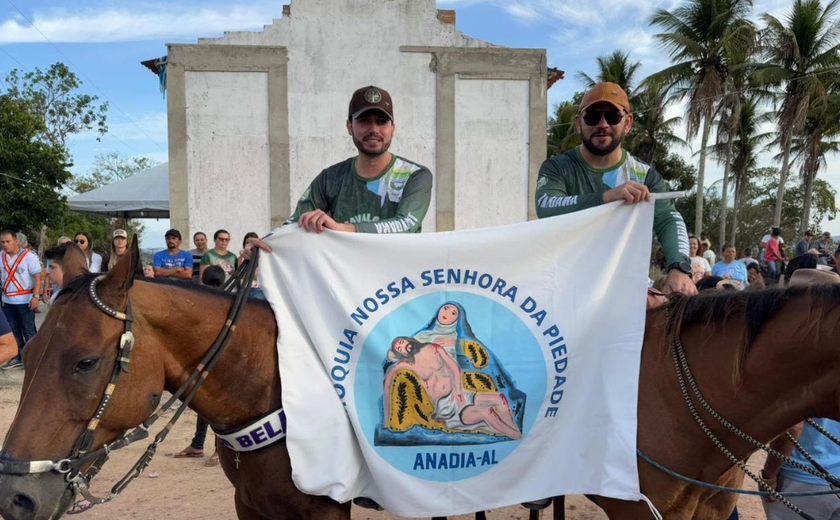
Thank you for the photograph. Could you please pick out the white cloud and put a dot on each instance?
(156, 21)
(522, 11)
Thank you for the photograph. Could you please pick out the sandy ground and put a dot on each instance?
(185, 489)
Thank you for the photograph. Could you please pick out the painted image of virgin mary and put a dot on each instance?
(482, 371)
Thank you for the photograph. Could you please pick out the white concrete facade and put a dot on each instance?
(255, 116)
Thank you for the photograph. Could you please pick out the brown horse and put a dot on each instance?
(763, 375)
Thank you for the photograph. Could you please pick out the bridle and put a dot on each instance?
(686, 381)
(83, 465)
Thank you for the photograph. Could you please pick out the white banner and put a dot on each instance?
(445, 373)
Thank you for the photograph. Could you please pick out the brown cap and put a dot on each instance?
(606, 92)
(370, 98)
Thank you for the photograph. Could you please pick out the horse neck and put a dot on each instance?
(788, 375)
(245, 383)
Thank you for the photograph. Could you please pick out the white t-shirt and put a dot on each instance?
(710, 256)
(25, 276)
(766, 238)
(95, 263)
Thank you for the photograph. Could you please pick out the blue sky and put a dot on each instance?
(106, 40)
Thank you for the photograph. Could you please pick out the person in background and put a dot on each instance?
(49, 287)
(85, 243)
(824, 246)
(772, 255)
(707, 253)
(173, 262)
(730, 269)
(21, 279)
(748, 258)
(755, 278)
(8, 343)
(256, 292)
(200, 241)
(700, 267)
(213, 276)
(803, 245)
(220, 255)
(763, 245)
(836, 261)
(65, 261)
(148, 271)
(119, 246)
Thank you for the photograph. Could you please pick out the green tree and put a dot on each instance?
(652, 135)
(615, 68)
(108, 168)
(699, 36)
(680, 175)
(52, 95)
(822, 127)
(562, 135)
(33, 172)
(797, 52)
(746, 145)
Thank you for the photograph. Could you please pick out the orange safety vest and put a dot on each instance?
(11, 279)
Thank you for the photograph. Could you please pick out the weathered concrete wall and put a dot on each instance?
(228, 119)
(334, 47)
(491, 157)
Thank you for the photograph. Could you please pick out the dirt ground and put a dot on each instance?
(184, 489)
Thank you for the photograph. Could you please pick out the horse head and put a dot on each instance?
(70, 366)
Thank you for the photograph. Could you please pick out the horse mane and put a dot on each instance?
(756, 308)
(82, 282)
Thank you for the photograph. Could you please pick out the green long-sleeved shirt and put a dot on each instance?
(567, 183)
(395, 201)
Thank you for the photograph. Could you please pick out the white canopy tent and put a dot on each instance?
(143, 195)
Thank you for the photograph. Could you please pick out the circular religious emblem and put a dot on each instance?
(491, 365)
(373, 96)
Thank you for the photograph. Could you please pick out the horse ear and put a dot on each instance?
(119, 280)
(75, 262)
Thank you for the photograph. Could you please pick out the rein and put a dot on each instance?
(72, 467)
(684, 374)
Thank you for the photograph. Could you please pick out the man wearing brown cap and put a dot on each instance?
(374, 192)
(600, 171)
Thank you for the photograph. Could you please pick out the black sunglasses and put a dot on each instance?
(80, 242)
(592, 118)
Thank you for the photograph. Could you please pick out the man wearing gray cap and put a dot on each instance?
(374, 192)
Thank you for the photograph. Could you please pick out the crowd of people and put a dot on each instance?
(27, 283)
(757, 268)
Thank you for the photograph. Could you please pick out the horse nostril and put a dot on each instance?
(23, 502)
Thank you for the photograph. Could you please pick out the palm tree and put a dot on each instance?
(821, 126)
(746, 145)
(615, 68)
(561, 129)
(797, 53)
(700, 36)
(729, 121)
(652, 132)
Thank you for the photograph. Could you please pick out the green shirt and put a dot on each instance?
(567, 183)
(395, 201)
(227, 262)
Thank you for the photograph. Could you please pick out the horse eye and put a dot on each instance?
(87, 365)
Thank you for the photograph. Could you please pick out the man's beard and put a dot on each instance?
(595, 150)
(360, 145)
